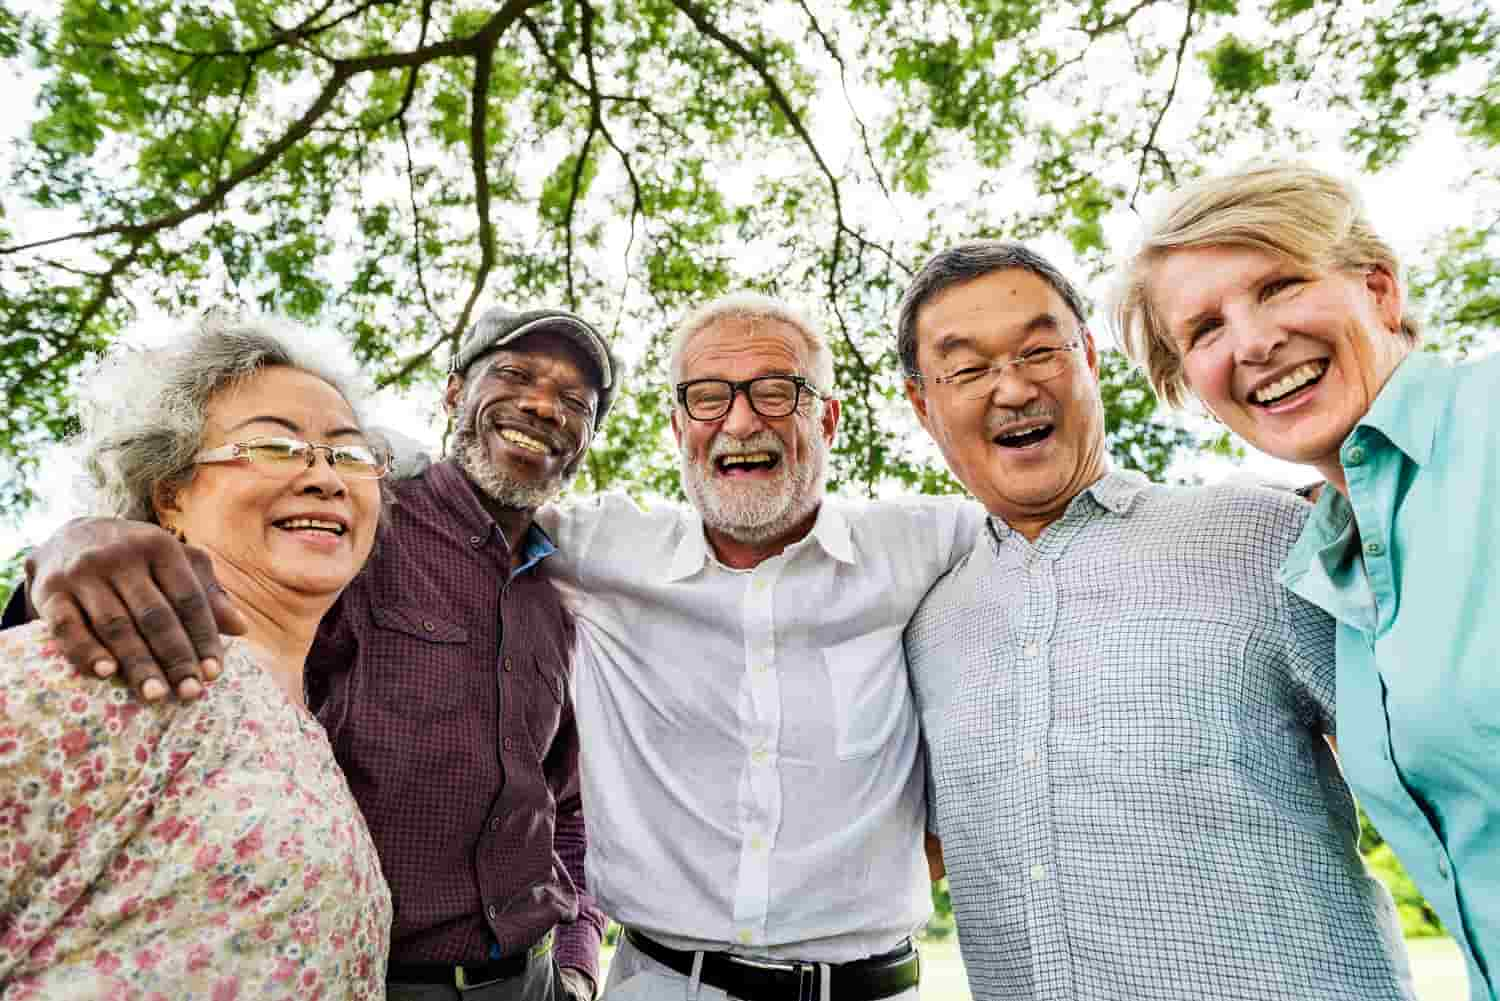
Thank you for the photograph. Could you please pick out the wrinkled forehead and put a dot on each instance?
(744, 347)
(278, 399)
(547, 347)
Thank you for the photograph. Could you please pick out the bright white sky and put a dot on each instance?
(1411, 204)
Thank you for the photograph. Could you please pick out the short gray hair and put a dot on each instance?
(755, 308)
(962, 263)
(143, 410)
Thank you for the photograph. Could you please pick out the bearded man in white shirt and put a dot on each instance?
(753, 778)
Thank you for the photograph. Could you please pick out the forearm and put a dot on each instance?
(578, 943)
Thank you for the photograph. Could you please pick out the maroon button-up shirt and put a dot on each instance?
(443, 684)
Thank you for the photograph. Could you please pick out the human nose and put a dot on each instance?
(543, 403)
(741, 421)
(321, 477)
(1255, 336)
(1008, 385)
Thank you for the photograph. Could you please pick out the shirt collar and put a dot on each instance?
(453, 489)
(830, 531)
(1115, 492)
(1407, 412)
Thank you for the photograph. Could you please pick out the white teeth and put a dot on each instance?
(1023, 432)
(746, 458)
(1291, 382)
(292, 524)
(525, 441)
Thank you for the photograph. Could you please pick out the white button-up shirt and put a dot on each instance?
(752, 774)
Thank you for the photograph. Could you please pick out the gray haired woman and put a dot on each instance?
(205, 848)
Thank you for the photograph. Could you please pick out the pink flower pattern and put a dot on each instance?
(203, 849)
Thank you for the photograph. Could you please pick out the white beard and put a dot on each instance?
(496, 485)
(756, 511)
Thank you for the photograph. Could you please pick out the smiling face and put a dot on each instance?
(1288, 357)
(755, 480)
(306, 533)
(1027, 446)
(525, 415)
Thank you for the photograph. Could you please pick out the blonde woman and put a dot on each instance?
(1267, 295)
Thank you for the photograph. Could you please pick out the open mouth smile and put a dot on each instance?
(745, 463)
(522, 440)
(1298, 379)
(1025, 436)
(310, 525)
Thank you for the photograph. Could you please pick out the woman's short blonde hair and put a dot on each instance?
(1290, 210)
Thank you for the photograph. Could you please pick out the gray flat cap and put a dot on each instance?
(497, 327)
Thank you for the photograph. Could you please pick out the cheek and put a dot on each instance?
(1208, 375)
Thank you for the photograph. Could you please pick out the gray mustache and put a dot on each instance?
(999, 420)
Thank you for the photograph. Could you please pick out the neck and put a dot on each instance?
(738, 554)
(281, 624)
(1031, 523)
(512, 521)
(1333, 473)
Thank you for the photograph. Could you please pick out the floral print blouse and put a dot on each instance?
(205, 849)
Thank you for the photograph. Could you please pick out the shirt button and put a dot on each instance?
(757, 844)
(1374, 549)
(508, 743)
(1038, 873)
(1354, 456)
(492, 912)
(1443, 866)
(507, 665)
(475, 540)
(1029, 756)
(1032, 649)
(494, 823)
(760, 668)
(758, 755)
(760, 585)
(427, 625)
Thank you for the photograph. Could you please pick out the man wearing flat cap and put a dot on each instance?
(442, 675)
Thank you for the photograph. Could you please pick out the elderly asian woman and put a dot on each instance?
(1267, 294)
(206, 848)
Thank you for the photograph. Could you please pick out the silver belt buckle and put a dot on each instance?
(807, 982)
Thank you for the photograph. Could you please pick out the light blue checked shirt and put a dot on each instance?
(1412, 572)
(1125, 728)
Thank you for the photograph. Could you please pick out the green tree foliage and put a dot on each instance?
(383, 166)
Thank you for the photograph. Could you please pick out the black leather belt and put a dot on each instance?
(460, 975)
(791, 980)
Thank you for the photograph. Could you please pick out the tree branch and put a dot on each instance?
(782, 102)
(1150, 147)
(482, 42)
(864, 133)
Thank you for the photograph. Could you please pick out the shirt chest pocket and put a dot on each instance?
(871, 694)
(541, 691)
(421, 663)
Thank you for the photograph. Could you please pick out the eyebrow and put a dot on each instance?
(1041, 322)
(344, 431)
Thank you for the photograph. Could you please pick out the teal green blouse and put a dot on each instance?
(1409, 565)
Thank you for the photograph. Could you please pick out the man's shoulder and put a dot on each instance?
(913, 513)
(614, 508)
(1229, 515)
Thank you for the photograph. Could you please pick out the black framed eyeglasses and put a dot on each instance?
(769, 395)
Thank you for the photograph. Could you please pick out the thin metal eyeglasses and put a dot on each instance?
(290, 456)
(769, 395)
(1039, 365)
